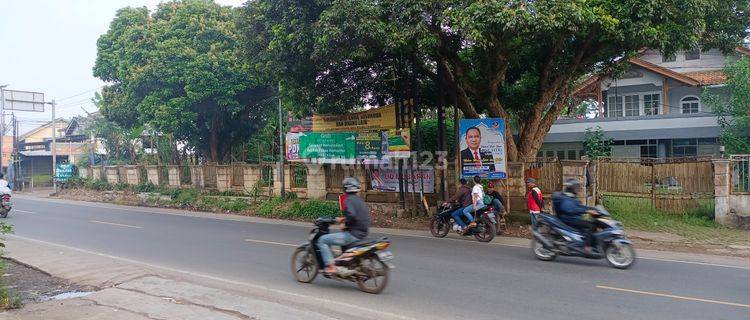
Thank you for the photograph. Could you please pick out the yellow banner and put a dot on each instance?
(383, 118)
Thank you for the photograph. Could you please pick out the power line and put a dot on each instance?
(79, 94)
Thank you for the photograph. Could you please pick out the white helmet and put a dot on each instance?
(351, 185)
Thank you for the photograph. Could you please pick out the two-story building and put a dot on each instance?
(654, 109)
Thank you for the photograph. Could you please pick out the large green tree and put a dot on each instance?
(179, 70)
(734, 109)
(518, 60)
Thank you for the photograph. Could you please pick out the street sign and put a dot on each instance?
(23, 100)
(64, 171)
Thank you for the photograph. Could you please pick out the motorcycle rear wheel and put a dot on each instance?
(304, 266)
(485, 230)
(377, 275)
(439, 228)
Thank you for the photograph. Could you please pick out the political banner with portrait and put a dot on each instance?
(483, 148)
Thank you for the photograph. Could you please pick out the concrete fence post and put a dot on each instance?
(173, 172)
(152, 174)
(112, 174)
(223, 178)
(722, 191)
(316, 181)
(575, 169)
(131, 175)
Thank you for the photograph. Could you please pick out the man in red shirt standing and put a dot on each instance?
(534, 199)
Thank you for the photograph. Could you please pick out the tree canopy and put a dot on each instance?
(179, 70)
(518, 60)
(734, 110)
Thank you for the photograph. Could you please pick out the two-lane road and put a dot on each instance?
(433, 279)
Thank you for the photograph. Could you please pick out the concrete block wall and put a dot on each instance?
(174, 176)
(84, 173)
(316, 181)
(132, 176)
(575, 169)
(196, 174)
(96, 173)
(251, 174)
(152, 174)
(223, 177)
(112, 174)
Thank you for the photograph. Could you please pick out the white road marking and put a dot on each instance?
(22, 211)
(271, 242)
(675, 296)
(116, 224)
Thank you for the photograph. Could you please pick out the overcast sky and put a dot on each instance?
(49, 46)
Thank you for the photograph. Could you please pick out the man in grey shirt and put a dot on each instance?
(356, 220)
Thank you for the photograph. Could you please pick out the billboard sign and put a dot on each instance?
(23, 100)
(382, 118)
(483, 148)
(386, 179)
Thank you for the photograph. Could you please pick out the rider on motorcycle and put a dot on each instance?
(463, 197)
(572, 212)
(356, 220)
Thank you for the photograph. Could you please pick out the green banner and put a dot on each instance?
(337, 145)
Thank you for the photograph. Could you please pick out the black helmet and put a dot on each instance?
(351, 185)
(572, 186)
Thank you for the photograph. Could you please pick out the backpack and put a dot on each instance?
(487, 200)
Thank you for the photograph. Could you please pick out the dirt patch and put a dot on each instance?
(33, 286)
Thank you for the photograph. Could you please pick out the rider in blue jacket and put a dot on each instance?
(572, 212)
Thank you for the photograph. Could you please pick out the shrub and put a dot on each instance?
(270, 207)
(145, 187)
(121, 186)
(312, 209)
(236, 205)
(185, 197)
(74, 182)
(98, 185)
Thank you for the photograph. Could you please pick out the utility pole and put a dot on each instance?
(54, 149)
(2, 122)
(281, 146)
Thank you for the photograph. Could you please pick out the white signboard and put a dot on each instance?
(23, 100)
(386, 180)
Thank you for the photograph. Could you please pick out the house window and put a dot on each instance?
(632, 106)
(668, 58)
(684, 148)
(572, 155)
(614, 107)
(560, 155)
(651, 103)
(648, 152)
(690, 105)
(694, 54)
(550, 154)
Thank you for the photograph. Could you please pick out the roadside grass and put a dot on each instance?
(695, 226)
(8, 300)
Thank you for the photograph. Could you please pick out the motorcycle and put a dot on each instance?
(366, 263)
(5, 195)
(442, 223)
(552, 237)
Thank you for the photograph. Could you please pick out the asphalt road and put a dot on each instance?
(433, 279)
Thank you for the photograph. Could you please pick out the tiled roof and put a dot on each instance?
(664, 71)
(707, 78)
